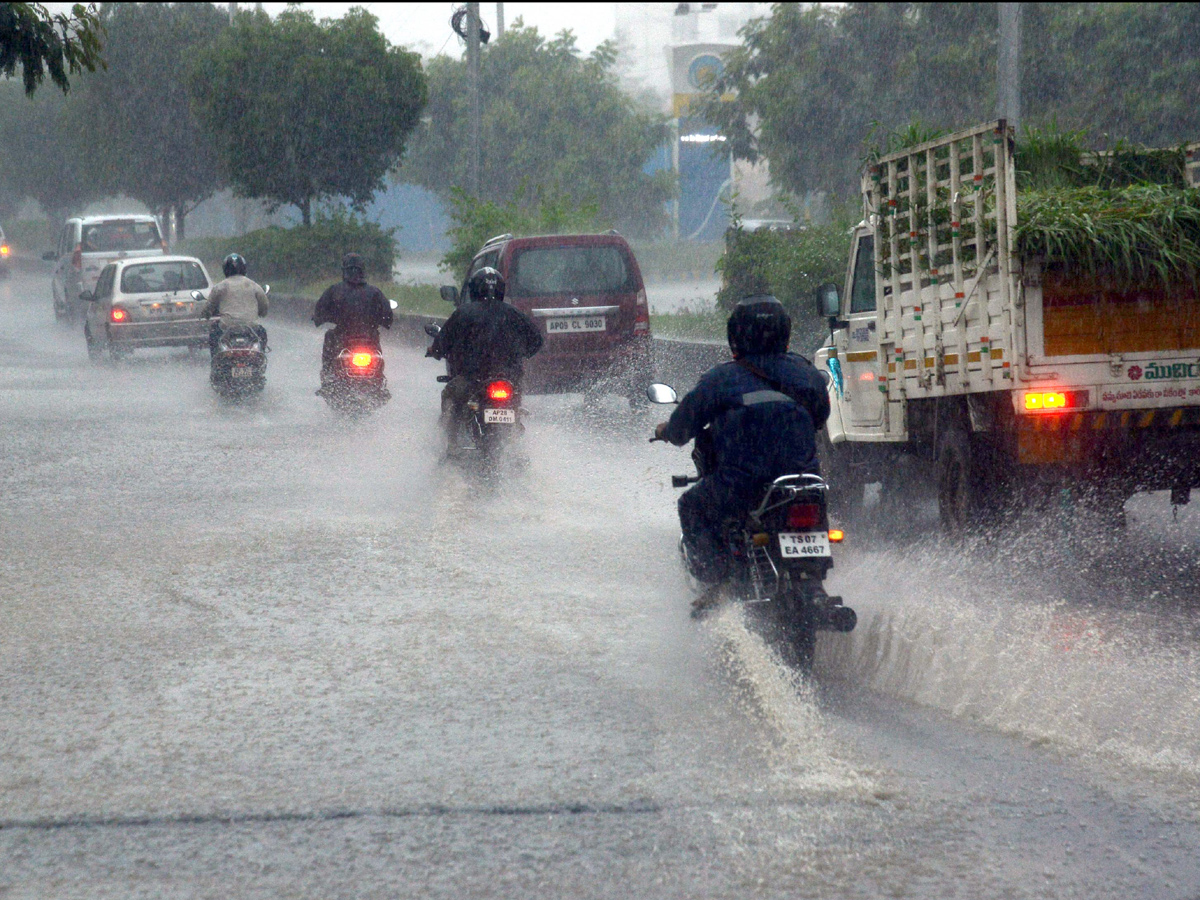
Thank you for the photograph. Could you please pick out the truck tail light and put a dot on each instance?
(641, 318)
(1054, 401)
(118, 315)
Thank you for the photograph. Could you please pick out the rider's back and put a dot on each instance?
(483, 340)
(354, 308)
(761, 430)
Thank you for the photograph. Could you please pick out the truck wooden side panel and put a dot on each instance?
(943, 215)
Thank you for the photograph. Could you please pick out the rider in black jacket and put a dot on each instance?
(485, 338)
(356, 309)
(758, 418)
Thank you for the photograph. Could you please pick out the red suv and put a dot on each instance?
(585, 294)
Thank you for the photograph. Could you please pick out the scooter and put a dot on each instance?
(239, 367)
(493, 410)
(780, 553)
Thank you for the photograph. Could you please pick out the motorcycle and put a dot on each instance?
(493, 408)
(780, 553)
(355, 383)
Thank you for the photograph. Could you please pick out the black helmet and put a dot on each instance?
(234, 264)
(352, 268)
(486, 286)
(759, 324)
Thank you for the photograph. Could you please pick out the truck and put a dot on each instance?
(1003, 369)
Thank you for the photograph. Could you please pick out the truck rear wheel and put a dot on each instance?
(964, 486)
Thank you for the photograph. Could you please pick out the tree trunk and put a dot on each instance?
(180, 231)
(304, 211)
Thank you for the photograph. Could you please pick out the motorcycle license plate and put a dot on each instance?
(575, 324)
(800, 545)
(500, 417)
(241, 372)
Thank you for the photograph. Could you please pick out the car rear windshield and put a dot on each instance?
(571, 270)
(116, 236)
(155, 278)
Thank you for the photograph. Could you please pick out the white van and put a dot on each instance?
(87, 244)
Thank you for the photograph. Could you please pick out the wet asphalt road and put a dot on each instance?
(256, 651)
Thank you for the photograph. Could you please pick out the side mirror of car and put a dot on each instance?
(449, 293)
(661, 393)
(197, 296)
(49, 256)
(87, 296)
(433, 330)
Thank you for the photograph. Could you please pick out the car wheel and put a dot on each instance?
(95, 351)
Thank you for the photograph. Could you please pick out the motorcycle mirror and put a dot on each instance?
(449, 293)
(393, 304)
(197, 296)
(87, 297)
(661, 393)
(433, 330)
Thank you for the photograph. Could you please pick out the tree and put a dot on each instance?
(40, 43)
(43, 134)
(144, 139)
(811, 84)
(302, 110)
(555, 128)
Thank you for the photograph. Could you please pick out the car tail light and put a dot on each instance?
(499, 390)
(361, 359)
(641, 318)
(4, 251)
(1054, 401)
(836, 535)
(803, 515)
(77, 257)
(118, 315)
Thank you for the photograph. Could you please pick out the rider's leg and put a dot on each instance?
(702, 511)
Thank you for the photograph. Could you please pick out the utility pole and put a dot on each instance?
(473, 54)
(1008, 64)
(499, 20)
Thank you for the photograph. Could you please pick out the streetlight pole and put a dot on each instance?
(473, 54)
(1008, 63)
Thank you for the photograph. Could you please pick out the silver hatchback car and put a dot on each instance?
(146, 303)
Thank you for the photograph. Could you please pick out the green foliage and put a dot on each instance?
(146, 142)
(550, 118)
(474, 221)
(789, 264)
(303, 253)
(302, 110)
(1139, 233)
(809, 82)
(45, 153)
(41, 43)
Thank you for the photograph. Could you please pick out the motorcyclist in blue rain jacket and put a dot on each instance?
(753, 419)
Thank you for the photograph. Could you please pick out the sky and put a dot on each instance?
(425, 27)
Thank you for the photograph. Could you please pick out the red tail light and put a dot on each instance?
(4, 251)
(803, 515)
(641, 318)
(118, 315)
(499, 390)
(77, 257)
(361, 359)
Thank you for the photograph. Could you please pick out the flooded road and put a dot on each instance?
(258, 651)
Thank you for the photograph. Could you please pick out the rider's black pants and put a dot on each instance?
(703, 510)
